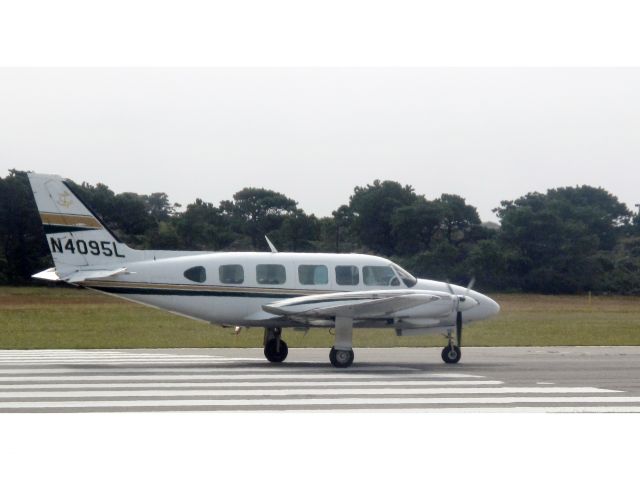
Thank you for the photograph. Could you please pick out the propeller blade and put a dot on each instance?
(459, 328)
(450, 288)
(456, 298)
(471, 284)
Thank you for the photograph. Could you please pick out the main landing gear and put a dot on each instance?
(275, 349)
(341, 355)
(341, 358)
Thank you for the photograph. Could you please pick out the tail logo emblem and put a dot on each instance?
(64, 199)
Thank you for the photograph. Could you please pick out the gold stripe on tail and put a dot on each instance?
(86, 221)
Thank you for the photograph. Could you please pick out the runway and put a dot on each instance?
(549, 379)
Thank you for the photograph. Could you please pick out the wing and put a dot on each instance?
(357, 305)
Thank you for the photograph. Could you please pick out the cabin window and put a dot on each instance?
(408, 279)
(380, 276)
(313, 274)
(231, 274)
(271, 274)
(347, 275)
(196, 274)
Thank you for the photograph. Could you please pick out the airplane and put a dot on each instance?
(271, 290)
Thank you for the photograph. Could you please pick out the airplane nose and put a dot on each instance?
(489, 307)
(486, 306)
(494, 306)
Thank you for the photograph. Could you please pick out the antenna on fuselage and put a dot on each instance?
(271, 246)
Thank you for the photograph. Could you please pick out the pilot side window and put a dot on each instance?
(231, 274)
(196, 274)
(347, 275)
(380, 276)
(271, 274)
(313, 274)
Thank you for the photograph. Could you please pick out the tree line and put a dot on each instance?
(567, 240)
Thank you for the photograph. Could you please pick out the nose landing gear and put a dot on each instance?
(451, 353)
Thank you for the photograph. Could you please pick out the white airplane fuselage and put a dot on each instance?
(162, 283)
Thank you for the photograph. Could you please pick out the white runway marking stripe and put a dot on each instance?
(101, 404)
(95, 354)
(314, 392)
(138, 385)
(119, 362)
(192, 376)
(528, 409)
(119, 357)
(125, 360)
(87, 353)
(62, 356)
(267, 369)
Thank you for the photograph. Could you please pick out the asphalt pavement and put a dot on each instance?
(514, 379)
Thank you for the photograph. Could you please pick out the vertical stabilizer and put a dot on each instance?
(77, 239)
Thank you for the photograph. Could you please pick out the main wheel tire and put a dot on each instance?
(341, 358)
(275, 354)
(451, 354)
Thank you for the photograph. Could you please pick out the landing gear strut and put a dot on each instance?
(451, 353)
(341, 355)
(275, 349)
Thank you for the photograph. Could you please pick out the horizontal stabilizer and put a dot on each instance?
(48, 274)
(78, 276)
(82, 275)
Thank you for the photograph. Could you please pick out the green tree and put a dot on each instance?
(566, 240)
(553, 241)
(373, 207)
(415, 226)
(165, 236)
(297, 233)
(203, 227)
(340, 229)
(258, 211)
(159, 206)
(134, 218)
(23, 247)
(458, 218)
(622, 268)
(132, 214)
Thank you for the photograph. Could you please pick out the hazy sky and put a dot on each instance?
(314, 134)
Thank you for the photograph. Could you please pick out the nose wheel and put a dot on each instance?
(451, 354)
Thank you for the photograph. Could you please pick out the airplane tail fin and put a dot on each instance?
(77, 239)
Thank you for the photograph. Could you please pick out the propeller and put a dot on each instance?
(460, 298)
(472, 282)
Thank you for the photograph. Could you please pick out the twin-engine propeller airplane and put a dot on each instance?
(268, 290)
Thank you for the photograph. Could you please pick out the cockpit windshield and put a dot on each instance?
(408, 279)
